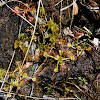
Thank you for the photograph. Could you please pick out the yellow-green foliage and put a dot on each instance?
(2, 73)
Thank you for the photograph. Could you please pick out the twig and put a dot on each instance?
(87, 30)
(20, 29)
(4, 2)
(32, 36)
(80, 89)
(72, 14)
(60, 17)
(40, 98)
(58, 3)
(68, 6)
(68, 9)
(32, 33)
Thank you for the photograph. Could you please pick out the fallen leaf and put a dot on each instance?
(75, 8)
(67, 31)
(26, 44)
(36, 56)
(27, 65)
(96, 42)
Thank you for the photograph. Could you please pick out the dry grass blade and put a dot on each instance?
(8, 70)
(68, 6)
(33, 31)
(80, 89)
(3, 2)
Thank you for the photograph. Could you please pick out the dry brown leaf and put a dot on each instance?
(67, 31)
(28, 64)
(36, 56)
(75, 8)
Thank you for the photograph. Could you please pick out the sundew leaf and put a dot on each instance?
(57, 57)
(31, 18)
(56, 69)
(24, 75)
(88, 49)
(17, 10)
(34, 79)
(22, 35)
(16, 84)
(9, 95)
(69, 45)
(69, 52)
(45, 54)
(72, 57)
(21, 83)
(60, 52)
(18, 87)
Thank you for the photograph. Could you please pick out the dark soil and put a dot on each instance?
(9, 30)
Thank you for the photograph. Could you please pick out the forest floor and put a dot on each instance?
(47, 52)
